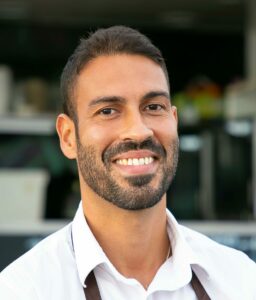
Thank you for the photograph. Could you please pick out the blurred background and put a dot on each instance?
(210, 51)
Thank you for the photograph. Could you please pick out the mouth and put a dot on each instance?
(135, 161)
(141, 162)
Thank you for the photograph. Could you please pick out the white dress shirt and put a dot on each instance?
(56, 269)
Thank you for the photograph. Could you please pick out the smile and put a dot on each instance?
(135, 161)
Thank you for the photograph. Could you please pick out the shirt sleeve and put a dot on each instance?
(249, 276)
(8, 292)
(15, 290)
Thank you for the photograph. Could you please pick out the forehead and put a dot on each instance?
(120, 75)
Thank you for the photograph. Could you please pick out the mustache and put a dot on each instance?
(147, 144)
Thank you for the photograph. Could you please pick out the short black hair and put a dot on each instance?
(107, 41)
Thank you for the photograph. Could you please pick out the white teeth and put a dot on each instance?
(124, 161)
(141, 161)
(135, 161)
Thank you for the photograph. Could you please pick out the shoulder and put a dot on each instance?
(226, 266)
(37, 267)
(208, 250)
(204, 245)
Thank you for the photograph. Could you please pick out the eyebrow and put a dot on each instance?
(154, 94)
(106, 99)
(118, 99)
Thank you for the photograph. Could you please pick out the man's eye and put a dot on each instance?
(155, 107)
(107, 111)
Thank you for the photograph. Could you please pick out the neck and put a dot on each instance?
(136, 242)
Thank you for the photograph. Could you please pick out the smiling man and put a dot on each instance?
(125, 130)
(120, 126)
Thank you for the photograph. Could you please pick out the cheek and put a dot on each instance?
(98, 137)
(166, 132)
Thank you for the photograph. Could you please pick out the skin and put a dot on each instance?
(135, 241)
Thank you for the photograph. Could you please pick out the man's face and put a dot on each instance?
(127, 144)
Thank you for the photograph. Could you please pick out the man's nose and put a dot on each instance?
(135, 128)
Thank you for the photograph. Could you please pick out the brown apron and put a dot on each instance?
(92, 291)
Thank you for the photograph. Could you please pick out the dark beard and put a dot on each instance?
(139, 194)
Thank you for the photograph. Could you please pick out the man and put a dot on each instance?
(121, 128)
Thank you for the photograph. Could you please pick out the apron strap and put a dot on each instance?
(92, 291)
(198, 288)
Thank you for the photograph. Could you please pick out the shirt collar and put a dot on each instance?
(182, 252)
(176, 272)
(89, 254)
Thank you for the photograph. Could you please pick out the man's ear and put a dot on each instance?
(66, 131)
(175, 113)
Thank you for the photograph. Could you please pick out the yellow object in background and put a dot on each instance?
(201, 100)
